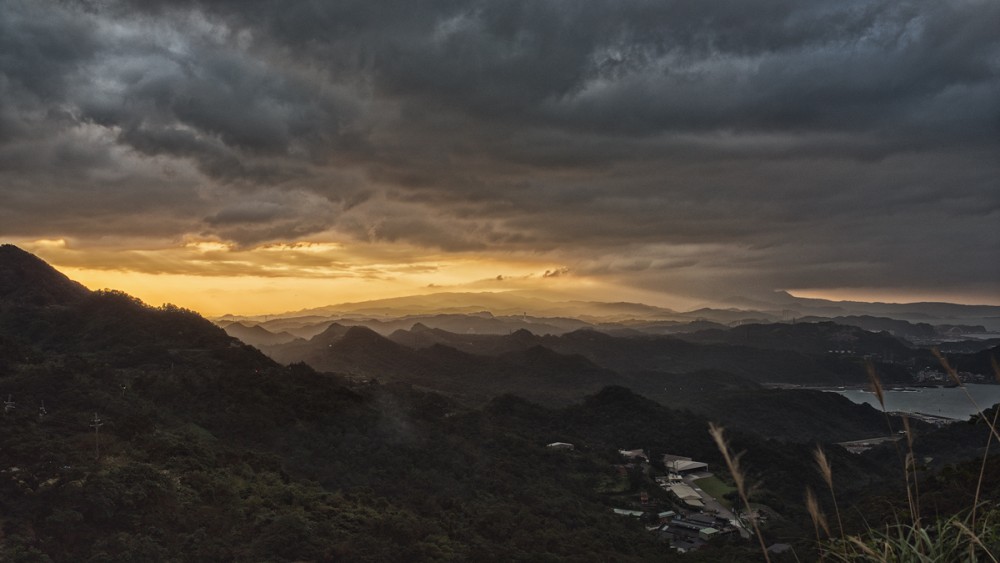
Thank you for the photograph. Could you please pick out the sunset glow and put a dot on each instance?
(214, 278)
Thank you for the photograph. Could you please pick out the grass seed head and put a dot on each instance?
(947, 367)
(876, 383)
(909, 434)
(817, 516)
(824, 465)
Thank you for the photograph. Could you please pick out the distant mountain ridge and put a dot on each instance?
(509, 303)
(815, 338)
(361, 352)
(782, 302)
(782, 307)
(558, 370)
(256, 335)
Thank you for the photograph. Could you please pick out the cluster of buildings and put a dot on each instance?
(695, 518)
(687, 518)
(938, 377)
(692, 531)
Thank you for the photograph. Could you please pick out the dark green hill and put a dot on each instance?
(284, 465)
(122, 331)
(535, 372)
(809, 338)
(627, 355)
(520, 365)
(43, 310)
(982, 362)
(27, 281)
(257, 335)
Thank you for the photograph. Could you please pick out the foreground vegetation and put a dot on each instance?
(951, 532)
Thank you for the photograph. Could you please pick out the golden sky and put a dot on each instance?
(214, 278)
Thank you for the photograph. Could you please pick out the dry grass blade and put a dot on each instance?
(824, 465)
(733, 463)
(989, 442)
(876, 384)
(827, 472)
(952, 374)
(909, 465)
(986, 453)
(974, 538)
(817, 516)
(732, 460)
(910, 496)
(954, 377)
(863, 547)
(906, 429)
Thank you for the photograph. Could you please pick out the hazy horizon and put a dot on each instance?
(547, 302)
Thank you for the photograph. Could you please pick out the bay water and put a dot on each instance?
(948, 402)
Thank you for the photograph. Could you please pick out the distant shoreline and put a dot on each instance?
(865, 387)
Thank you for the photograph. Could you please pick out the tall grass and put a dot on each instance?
(733, 463)
(953, 539)
(949, 540)
(823, 464)
(908, 460)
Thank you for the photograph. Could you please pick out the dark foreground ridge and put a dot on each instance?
(26, 280)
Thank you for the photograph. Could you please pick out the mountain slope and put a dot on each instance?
(27, 281)
(256, 335)
(44, 310)
(560, 370)
(534, 372)
(809, 338)
(626, 355)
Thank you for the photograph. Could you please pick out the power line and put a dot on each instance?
(96, 424)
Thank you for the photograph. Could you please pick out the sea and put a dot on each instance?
(947, 402)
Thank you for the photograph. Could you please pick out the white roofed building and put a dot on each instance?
(560, 446)
(634, 455)
(682, 465)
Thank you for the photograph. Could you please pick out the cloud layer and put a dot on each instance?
(700, 148)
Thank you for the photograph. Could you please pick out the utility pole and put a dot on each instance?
(96, 424)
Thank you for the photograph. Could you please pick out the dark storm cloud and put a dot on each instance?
(776, 143)
(650, 66)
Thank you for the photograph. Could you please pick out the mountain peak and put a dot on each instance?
(361, 332)
(332, 333)
(26, 279)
